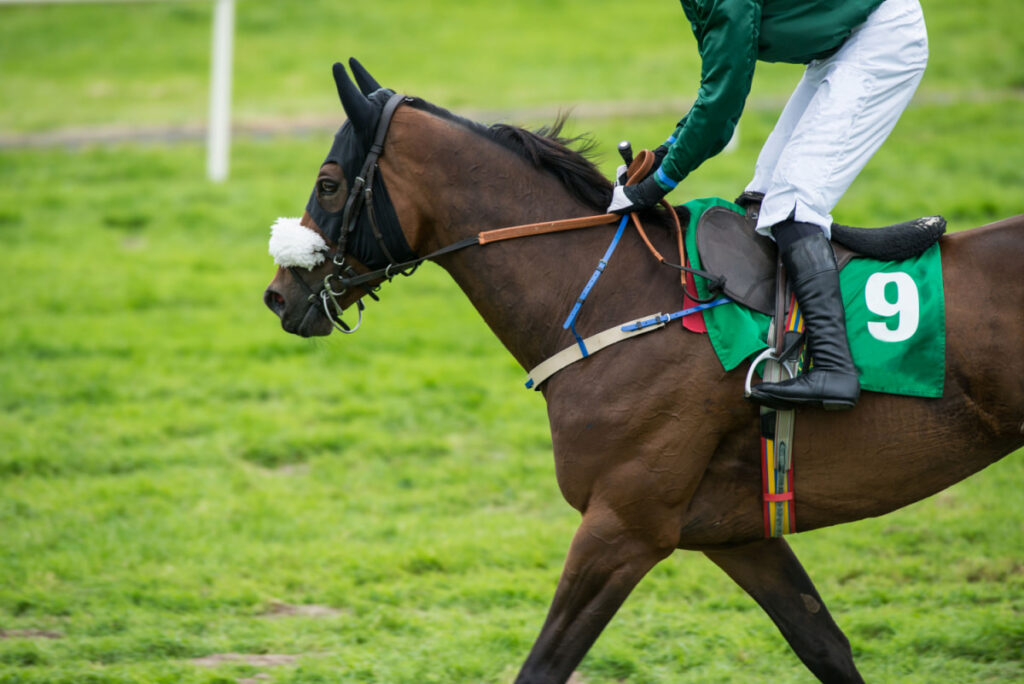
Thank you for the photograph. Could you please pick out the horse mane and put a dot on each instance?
(567, 159)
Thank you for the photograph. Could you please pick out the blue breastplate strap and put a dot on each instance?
(661, 319)
(570, 322)
(606, 338)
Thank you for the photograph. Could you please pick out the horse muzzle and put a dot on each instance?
(304, 318)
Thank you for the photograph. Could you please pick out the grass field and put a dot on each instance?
(181, 481)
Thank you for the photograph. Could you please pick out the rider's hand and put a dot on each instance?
(620, 174)
(659, 156)
(629, 198)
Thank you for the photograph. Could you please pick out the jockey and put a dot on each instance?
(864, 61)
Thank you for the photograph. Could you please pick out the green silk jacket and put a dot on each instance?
(731, 36)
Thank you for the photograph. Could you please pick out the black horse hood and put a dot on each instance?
(349, 151)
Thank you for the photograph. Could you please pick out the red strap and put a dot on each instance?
(773, 498)
(694, 323)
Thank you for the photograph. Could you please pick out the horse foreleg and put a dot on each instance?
(606, 560)
(769, 571)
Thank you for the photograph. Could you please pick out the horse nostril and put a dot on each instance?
(274, 301)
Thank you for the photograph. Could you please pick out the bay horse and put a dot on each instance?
(653, 442)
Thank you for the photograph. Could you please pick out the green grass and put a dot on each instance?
(175, 470)
(148, 63)
(172, 465)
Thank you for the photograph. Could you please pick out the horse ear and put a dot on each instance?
(358, 108)
(367, 83)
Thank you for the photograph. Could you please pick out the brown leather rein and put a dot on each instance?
(638, 170)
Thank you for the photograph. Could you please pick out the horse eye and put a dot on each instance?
(325, 186)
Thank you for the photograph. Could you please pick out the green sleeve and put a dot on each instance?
(727, 40)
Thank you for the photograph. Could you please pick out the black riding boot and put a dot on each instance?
(832, 381)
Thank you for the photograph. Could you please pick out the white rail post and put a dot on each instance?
(218, 137)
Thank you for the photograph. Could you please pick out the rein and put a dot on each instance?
(361, 197)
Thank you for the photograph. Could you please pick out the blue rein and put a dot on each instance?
(570, 321)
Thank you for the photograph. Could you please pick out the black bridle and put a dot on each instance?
(344, 278)
(360, 197)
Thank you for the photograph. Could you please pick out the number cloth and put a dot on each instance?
(895, 319)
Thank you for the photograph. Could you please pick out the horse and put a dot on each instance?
(653, 442)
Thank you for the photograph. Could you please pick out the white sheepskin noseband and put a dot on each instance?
(292, 244)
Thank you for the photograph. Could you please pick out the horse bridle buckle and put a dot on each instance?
(328, 295)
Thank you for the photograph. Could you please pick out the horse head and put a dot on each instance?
(450, 177)
(349, 226)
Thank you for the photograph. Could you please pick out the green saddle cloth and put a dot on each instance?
(895, 318)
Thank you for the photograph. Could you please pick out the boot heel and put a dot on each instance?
(833, 405)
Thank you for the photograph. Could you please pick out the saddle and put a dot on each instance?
(745, 262)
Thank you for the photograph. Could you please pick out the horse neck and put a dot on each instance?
(449, 183)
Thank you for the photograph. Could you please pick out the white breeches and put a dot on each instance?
(841, 112)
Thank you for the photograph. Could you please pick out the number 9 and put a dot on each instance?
(906, 306)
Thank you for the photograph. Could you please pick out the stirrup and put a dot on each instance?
(767, 355)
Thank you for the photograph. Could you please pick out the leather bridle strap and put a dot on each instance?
(361, 194)
(484, 238)
(641, 165)
(526, 230)
(531, 229)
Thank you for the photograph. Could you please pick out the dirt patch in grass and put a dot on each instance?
(253, 659)
(29, 634)
(278, 609)
(255, 679)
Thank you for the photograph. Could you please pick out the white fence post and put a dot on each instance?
(218, 136)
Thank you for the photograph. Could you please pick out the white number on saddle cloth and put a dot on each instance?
(906, 306)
